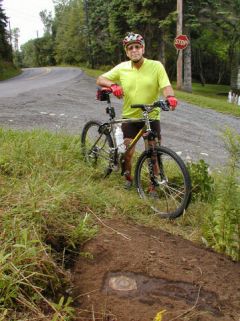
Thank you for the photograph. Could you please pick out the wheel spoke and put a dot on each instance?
(168, 192)
(97, 146)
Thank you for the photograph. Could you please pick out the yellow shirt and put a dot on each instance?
(140, 86)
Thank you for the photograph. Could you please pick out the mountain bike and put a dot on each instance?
(158, 168)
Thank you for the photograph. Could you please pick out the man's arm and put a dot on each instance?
(116, 89)
(168, 91)
(104, 82)
(169, 95)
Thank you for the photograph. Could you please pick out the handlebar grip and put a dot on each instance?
(164, 105)
(106, 89)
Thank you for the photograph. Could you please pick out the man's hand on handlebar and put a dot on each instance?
(117, 90)
(172, 101)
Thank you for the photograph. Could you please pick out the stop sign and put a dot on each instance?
(181, 42)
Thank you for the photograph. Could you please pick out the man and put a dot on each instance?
(137, 81)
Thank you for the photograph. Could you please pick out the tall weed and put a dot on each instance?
(222, 226)
(41, 218)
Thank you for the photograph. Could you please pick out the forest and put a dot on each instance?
(5, 46)
(90, 32)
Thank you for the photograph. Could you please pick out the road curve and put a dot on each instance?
(63, 99)
(35, 78)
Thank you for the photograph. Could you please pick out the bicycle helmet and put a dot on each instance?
(132, 37)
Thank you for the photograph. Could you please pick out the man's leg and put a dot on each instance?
(130, 130)
(128, 162)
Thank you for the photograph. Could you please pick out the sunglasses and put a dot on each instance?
(131, 47)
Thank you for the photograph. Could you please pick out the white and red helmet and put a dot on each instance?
(132, 37)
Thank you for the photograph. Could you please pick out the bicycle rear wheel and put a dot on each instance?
(167, 193)
(97, 146)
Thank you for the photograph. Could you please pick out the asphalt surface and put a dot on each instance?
(63, 99)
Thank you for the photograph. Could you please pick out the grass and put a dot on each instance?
(7, 70)
(48, 197)
(50, 202)
(210, 96)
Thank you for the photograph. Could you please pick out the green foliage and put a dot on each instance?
(29, 54)
(42, 218)
(211, 23)
(202, 182)
(8, 70)
(209, 100)
(222, 223)
(50, 202)
(63, 309)
(70, 33)
(5, 47)
(90, 32)
(37, 52)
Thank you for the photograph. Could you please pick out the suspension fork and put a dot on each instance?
(153, 166)
(154, 162)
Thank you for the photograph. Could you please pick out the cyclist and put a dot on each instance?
(138, 81)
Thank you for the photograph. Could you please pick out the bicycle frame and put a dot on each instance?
(112, 121)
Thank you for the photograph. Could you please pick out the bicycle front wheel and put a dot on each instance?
(163, 181)
(97, 145)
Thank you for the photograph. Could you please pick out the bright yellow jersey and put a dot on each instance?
(140, 86)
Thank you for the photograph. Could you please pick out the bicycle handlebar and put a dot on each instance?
(164, 105)
(104, 92)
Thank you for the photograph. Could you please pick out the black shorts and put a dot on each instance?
(130, 130)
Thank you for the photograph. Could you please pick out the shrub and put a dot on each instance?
(202, 182)
(222, 223)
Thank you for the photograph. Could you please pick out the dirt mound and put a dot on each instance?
(140, 271)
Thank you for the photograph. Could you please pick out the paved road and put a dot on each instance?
(62, 99)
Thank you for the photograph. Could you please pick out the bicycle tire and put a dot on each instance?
(96, 146)
(172, 186)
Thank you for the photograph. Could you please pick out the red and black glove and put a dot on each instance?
(172, 101)
(117, 90)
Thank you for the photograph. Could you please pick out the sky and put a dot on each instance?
(24, 14)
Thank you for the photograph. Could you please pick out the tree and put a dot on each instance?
(47, 21)
(71, 36)
(15, 37)
(91, 32)
(214, 29)
(5, 47)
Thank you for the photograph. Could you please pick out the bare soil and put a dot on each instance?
(139, 271)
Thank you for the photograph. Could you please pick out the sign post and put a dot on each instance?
(179, 53)
(180, 43)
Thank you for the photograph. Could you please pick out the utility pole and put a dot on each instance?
(179, 54)
(10, 32)
(89, 43)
